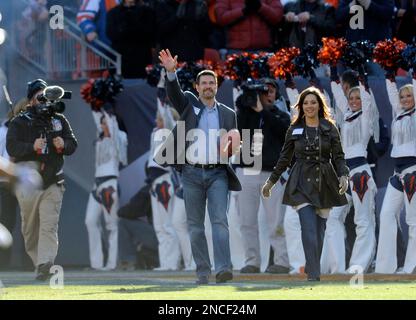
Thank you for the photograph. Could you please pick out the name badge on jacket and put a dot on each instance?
(197, 110)
(57, 125)
(297, 131)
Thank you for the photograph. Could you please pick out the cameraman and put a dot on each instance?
(258, 110)
(40, 137)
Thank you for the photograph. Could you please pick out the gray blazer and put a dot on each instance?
(184, 103)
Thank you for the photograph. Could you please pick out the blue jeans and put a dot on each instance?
(198, 186)
(313, 231)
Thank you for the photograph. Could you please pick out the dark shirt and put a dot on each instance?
(377, 21)
(184, 30)
(274, 124)
(25, 128)
(132, 31)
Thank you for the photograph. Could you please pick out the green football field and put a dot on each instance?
(84, 285)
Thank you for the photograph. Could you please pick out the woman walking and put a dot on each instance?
(313, 187)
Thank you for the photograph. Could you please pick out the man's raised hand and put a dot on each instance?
(167, 60)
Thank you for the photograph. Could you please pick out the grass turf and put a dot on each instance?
(180, 286)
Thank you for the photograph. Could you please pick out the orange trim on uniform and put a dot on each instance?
(333, 3)
(85, 16)
(110, 4)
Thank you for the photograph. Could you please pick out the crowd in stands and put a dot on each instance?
(210, 29)
(197, 29)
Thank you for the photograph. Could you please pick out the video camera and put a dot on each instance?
(248, 99)
(50, 100)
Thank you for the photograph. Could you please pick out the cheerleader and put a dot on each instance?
(356, 113)
(168, 207)
(111, 150)
(401, 186)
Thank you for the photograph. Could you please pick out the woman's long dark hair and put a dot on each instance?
(323, 112)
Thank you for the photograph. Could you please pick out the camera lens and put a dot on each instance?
(41, 98)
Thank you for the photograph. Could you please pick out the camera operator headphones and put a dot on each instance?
(280, 101)
(34, 86)
(273, 83)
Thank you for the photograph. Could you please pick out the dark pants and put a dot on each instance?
(133, 233)
(313, 230)
(8, 207)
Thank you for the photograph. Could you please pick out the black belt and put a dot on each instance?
(356, 162)
(207, 166)
(101, 180)
(403, 163)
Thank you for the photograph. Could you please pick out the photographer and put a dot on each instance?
(257, 110)
(41, 137)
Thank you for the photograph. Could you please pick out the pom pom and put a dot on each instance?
(97, 92)
(387, 54)
(153, 74)
(238, 67)
(259, 65)
(107, 87)
(332, 50)
(244, 66)
(86, 94)
(306, 61)
(357, 54)
(408, 60)
(281, 63)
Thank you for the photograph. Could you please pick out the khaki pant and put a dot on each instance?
(248, 203)
(40, 216)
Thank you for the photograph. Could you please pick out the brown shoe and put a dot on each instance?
(250, 269)
(275, 268)
(43, 271)
(223, 276)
